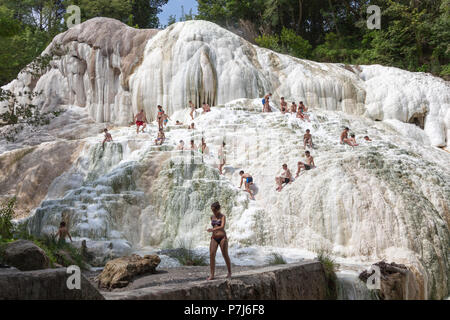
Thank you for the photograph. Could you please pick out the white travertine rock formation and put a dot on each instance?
(114, 71)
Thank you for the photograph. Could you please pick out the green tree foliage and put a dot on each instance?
(6, 216)
(414, 35)
(28, 26)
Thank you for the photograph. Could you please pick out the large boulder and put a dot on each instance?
(49, 284)
(397, 282)
(26, 256)
(119, 272)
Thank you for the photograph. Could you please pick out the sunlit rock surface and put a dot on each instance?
(388, 199)
(113, 71)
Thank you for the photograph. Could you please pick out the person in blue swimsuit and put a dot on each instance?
(218, 238)
(248, 182)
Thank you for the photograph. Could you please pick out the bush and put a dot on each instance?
(186, 256)
(6, 216)
(276, 259)
(329, 267)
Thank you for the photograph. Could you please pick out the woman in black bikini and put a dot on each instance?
(219, 238)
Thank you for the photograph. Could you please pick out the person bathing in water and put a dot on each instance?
(161, 137)
(345, 139)
(193, 147)
(206, 107)
(285, 178)
(218, 238)
(191, 105)
(248, 182)
(284, 106)
(192, 126)
(307, 139)
(141, 121)
(108, 137)
(160, 117)
(222, 158)
(306, 166)
(63, 233)
(367, 139)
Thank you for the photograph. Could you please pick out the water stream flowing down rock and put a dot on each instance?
(385, 199)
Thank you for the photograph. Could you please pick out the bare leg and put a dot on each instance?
(247, 188)
(212, 257)
(137, 129)
(226, 257)
(143, 127)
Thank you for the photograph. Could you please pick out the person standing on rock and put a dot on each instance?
(266, 100)
(63, 233)
(141, 121)
(108, 137)
(160, 117)
(191, 105)
(222, 158)
(248, 182)
(218, 238)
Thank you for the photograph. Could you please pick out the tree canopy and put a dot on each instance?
(414, 34)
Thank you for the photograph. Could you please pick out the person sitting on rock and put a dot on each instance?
(248, 182)
(345, 139)
(307, 139)
(62, 233)
(293, 108)
(141, 121)
(306, 166)
(284, 178)
(303, 109)
(353, 140)
(108, 138)
(161, 137)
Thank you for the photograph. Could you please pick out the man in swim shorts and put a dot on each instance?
(285, 178)
(248, 182)
(141, 121)
(306, 166)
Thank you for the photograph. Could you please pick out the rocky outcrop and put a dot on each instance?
(25, 256)
(119, 272)
(114, 71)
(397, 282)
(49, 284)
(302, 281)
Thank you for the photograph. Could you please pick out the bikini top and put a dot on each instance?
(216, 223)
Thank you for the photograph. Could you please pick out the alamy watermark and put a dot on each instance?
(374, 20)
(74, 280)
(374, 281)
(74, 20)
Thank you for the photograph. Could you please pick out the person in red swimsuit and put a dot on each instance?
(141, 121)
